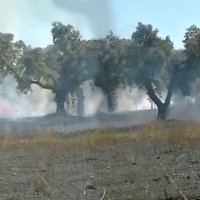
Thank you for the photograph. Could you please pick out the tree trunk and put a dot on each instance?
(80, 103)
(68, 101)
(162, 112)
(111, 101)
(60, 107)
(60, 100)
(72, 103)
(163, 107)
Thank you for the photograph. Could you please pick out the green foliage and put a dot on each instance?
(57, 67)
(145, 35)
(192, 53)
(147, 56)
(36, 66)
(71, 57)
(9, 53)
(110, 66)
(192, 44)
(66, 38)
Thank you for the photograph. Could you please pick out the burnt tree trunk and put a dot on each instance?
(80, 102)
(60, 100)
(114, 96)
(162, 112)
(67, 100)
(73, 103)
(111, 101)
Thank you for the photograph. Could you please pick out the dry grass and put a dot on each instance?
(140, 163)
(188, 132)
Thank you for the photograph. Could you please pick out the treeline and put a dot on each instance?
(145, 60)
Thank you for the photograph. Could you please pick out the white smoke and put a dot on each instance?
(31, 20)
(127, 99)
(38, 103)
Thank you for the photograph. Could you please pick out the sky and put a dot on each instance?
(30, 20)
(171, 17)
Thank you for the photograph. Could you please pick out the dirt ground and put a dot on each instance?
(153, 162)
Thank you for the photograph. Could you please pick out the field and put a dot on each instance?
(157, 161)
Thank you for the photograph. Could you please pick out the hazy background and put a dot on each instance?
(30, 20)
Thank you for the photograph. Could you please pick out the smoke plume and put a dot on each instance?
(38, 103)
(97, 12)
(30, 20)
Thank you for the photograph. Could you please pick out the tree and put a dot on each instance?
(10, 52)
(71, 58)
(109, 67)
(59, 67)
(192, 53)
(37, 66)
(183, 85)
(192, 45)
(80, 102)
(147, 61)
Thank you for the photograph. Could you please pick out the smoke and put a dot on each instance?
(30, 20)
(95, 101)
(127, 99)
(33, 104)
(97, 12)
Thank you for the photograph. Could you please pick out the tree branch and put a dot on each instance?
(42, 85)
(170, 89)
(177, 69)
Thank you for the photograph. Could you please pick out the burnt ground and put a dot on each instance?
(99, 164)
(72, 124)
(103, 165)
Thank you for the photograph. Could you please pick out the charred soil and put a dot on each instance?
(155, 161)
